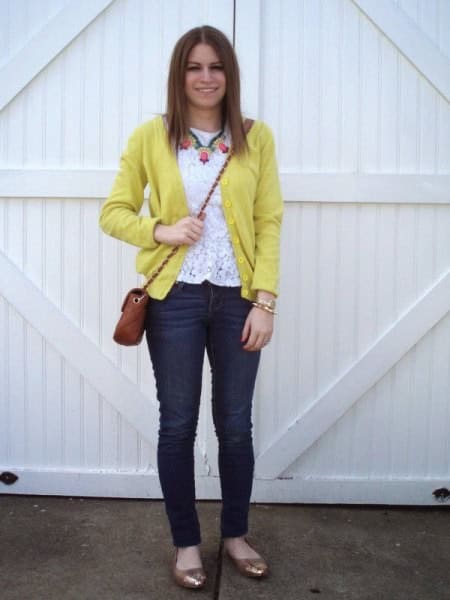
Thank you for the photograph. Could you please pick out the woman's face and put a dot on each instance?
(204, 83)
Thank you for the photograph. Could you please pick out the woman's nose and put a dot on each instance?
(206, 74)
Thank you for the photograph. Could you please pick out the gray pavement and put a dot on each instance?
(57, 548)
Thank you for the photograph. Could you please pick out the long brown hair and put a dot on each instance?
(176, 97)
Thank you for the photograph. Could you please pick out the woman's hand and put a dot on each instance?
(257, 330)
(186, 231)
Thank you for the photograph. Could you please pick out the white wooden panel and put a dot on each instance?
(389, 107)
(339, 94)
(22, 20)
(16, 387)
(54, 456)
(37, 52)
(63, 434)
(410, 40)
(68, 340)
(370, 116)
(111, 483)
(248, 50)
(305, 187)
(336, 400)
(35, 398)
(442, 25)
(351, 69)
(91, 415)
(411, 442)
(388, 258)
(443, 128)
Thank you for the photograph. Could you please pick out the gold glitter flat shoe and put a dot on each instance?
(188, 578)
(250, 567)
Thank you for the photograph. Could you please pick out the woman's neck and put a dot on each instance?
(205, 120)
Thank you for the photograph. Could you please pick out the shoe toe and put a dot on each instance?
(251, 567)
(194, 579)
(255, 567)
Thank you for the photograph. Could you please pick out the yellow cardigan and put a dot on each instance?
(251, 201)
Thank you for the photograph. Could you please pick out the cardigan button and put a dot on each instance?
(228, 204)
(231, 221)
(241, 259)
(224, 181)
(245, 277)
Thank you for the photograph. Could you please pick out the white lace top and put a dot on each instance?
(212, 257)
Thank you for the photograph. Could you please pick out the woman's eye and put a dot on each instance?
(196, 68)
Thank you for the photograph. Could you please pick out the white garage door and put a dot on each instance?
(353, 397)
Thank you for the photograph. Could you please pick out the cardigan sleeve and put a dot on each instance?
(119, 215)
(267, 215)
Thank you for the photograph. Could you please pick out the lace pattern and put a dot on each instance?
(212, 257)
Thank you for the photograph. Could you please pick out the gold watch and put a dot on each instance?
(269, 303)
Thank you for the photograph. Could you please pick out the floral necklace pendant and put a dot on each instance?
(204, 152)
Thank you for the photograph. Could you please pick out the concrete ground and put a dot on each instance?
(57, 548)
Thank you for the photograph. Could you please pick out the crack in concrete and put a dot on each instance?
(217, 581)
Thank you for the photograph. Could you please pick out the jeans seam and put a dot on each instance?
(214, 379)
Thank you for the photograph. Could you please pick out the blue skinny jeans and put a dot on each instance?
(191, 318)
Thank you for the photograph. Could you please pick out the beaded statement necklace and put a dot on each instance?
(204, 152)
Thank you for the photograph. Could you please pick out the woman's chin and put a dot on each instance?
(206, 103)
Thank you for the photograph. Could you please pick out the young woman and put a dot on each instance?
(216, 293)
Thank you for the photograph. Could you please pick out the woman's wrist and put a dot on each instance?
(156, 232)
(160, 233)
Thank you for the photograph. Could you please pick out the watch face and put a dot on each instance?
(269, 303)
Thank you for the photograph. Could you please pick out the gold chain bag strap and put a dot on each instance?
(131, 325)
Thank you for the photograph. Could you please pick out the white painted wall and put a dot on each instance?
(353, 396)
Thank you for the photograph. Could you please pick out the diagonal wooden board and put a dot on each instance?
(410, 40)
(45, 45)
(385, 352)
(83, 355)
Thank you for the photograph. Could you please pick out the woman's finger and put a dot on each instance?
(196, 228)
(246, 330)
(252, 341)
